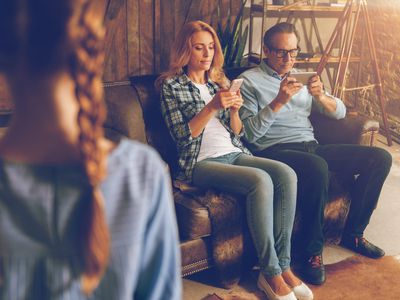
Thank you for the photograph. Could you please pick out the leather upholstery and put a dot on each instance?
(354, 129)
(134, 111)
(194, 220)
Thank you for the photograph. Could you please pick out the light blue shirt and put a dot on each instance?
(263, 127)
(41, 211)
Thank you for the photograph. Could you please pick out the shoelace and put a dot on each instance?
(316, 261)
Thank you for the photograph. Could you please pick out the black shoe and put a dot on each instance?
(312, 270)
(362, 246)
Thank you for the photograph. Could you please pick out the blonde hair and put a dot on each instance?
(74, 35)
(181, 51)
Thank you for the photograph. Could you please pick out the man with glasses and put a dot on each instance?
(276, 125)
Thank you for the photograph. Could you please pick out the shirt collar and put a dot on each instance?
(271, 72)
(185, 80)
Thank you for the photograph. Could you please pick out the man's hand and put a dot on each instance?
(289, 87)
(316, 87)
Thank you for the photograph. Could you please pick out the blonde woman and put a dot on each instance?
(202, 117)
(80, 216)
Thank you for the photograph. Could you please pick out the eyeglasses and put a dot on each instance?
(283, 53)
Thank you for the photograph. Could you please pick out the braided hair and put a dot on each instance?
(53, 35)
(86, 67)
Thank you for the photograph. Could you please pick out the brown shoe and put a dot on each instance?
(312, 270)
(362, 246)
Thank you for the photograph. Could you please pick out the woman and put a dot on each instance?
(69, 230)
(202, 117)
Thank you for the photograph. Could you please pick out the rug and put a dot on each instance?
(356, 278)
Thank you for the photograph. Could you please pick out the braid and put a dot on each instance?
(87, 63)
(75, 33)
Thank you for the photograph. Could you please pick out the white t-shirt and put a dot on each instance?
(216, 139)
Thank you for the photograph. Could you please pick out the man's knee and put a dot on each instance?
(382, 159)
(316, 170)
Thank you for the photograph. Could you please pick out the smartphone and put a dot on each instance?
(235, 85)
(303, 77)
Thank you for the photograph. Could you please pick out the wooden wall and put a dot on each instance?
(140, 33)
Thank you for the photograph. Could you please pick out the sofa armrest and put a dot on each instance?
(353, 129)
(124, 114)
(157, 133)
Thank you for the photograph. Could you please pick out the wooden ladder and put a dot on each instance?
(347, 25)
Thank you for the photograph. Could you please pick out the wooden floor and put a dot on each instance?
(382, 230)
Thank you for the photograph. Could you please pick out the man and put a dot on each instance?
(275, 116)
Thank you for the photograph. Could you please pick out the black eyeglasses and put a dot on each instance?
(283, 53)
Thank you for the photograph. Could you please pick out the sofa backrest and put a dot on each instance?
(124, 113)
(134, 111)
(157, 133)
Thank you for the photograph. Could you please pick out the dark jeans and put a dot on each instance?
(312, 163)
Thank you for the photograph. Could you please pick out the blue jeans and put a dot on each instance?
(270, 190)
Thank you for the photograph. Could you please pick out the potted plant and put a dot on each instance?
(233, 39)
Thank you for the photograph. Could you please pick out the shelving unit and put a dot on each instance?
(350, 25)
(297, 11)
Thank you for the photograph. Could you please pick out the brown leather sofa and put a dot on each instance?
(212, 225)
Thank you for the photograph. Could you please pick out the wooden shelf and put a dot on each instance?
(313, 60)
(302, 11)
(298, 8)
(332, 59)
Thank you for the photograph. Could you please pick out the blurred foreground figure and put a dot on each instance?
(80, 216)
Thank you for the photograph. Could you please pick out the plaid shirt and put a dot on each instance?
(180, 102)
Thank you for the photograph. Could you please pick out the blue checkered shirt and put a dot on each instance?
(180, 102)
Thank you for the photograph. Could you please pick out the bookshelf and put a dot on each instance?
(308, 14)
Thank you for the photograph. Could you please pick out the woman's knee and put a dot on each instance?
(284, 174)
(259, 179)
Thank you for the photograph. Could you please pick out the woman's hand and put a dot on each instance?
(224, 99)
(237, 104)
(235, 122)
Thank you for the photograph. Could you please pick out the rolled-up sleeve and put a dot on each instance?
(339, 113)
